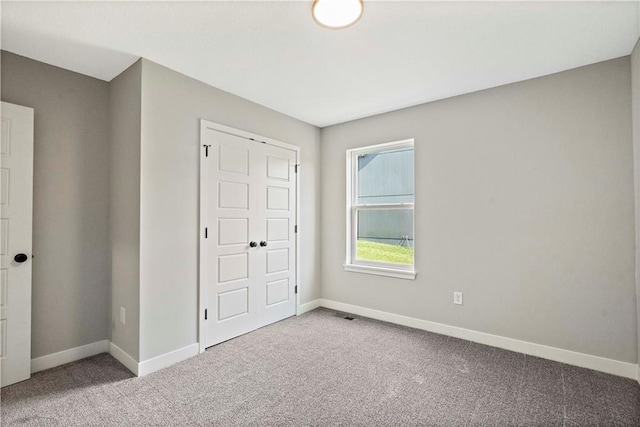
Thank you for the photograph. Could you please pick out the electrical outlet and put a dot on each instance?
(457, 298)
(122, 315)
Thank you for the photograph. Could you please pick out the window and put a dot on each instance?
(380, 202)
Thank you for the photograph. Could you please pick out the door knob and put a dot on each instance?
(263, 243)
(253, 244)
(20, 258)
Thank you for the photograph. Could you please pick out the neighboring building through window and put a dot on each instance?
(380, 198)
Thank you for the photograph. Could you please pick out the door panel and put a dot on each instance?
(233, 159)
(4, 236)
(233, 303)
(16, 203)
(277, 214)
(233, 195)
(277, 198)
(277, 291)
(230, 188)
(278, 168)
(3, 341)
(249, 196)
(233, 267)
(233, 231)
(4, 278)
(277, 229)
(4, 186)
(277, 260)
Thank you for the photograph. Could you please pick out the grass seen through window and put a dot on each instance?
(382, 252)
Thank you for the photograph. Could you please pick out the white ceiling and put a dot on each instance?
(399, 54)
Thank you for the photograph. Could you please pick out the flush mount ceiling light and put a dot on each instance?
(336, 14)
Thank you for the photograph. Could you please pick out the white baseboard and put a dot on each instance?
(121, 356)
(105, 346)
(610, 366)
(67, 356)
(146, 367)
(168, 359)
(303, 308)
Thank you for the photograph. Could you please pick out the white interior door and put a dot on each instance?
(16, 199)
(230, 197)
(248, 203)
(276, 211)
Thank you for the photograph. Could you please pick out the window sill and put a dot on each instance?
(381, 271)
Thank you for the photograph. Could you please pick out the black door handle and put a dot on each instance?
(263, 243)
(253, 244)
(20, 258)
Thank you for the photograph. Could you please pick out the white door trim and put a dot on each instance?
(202, 291)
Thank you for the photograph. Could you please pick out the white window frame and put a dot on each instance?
(352, 263)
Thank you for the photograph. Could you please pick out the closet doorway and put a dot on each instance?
(248, 232)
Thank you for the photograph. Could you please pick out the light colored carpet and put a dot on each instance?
(320, 369)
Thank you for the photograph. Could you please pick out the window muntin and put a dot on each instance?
(381, 202)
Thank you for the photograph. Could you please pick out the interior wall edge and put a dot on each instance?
(123, 357)
(309, 306)
(154, 364)
(635, 123)
(124, 210)
(165, 360)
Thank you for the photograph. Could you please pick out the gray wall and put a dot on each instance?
(125, 108)
(172, 105)
(524, 202)
(635, 86)
(71, 201)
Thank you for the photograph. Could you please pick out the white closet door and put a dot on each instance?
(232, 194)
(16, 199)
(277, 255)
(249, 196)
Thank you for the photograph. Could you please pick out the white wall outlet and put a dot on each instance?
(457, 298)
(122, 315)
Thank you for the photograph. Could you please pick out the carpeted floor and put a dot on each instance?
(320, 369)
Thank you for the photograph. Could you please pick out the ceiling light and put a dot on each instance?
(336, 14)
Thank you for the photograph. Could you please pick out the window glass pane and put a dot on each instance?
(385, 177)
(385, 235)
